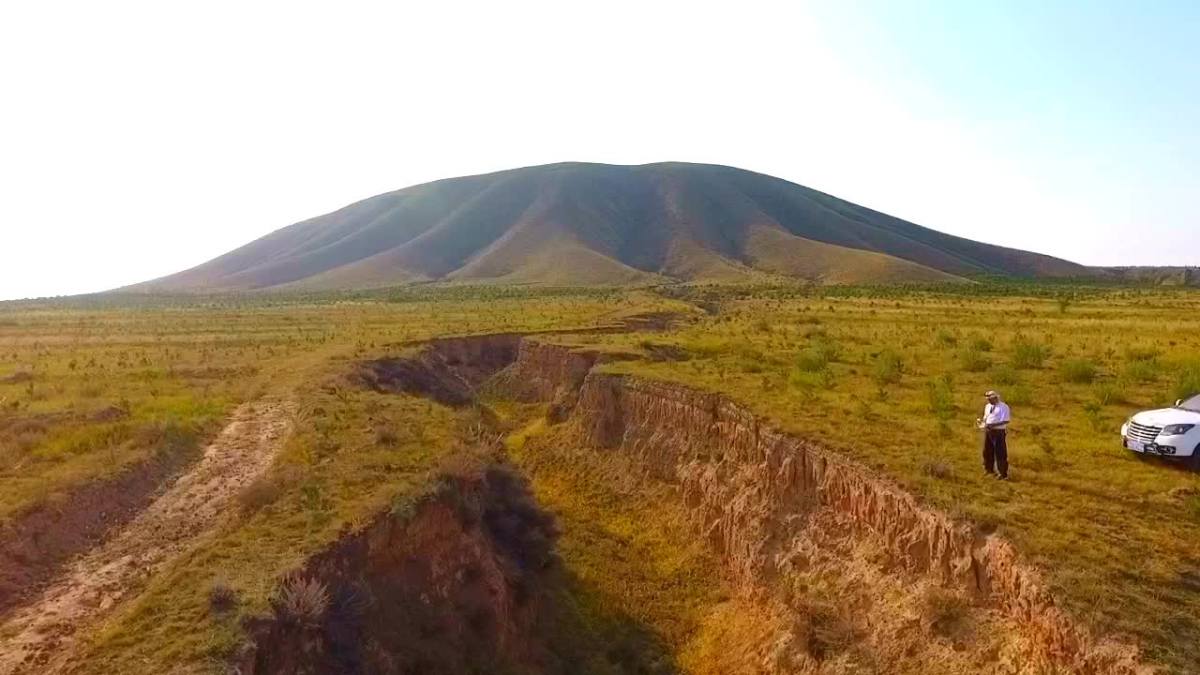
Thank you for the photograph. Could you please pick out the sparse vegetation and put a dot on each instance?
(1028, 354)
(974, 361)
(174, 369)
(889, 367)
(1079, 371)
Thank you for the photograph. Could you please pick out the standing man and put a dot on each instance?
(994, 423)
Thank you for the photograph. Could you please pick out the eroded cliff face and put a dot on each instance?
(757, 492)
(450, 584)
(544, 372)
(789, 516)
(448, 370)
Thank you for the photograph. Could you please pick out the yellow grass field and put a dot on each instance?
(891, 377)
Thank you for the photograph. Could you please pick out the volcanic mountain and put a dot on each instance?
(575, 223)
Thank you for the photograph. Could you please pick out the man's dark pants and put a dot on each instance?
(995, 451)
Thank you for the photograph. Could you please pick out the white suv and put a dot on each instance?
(1170, 432)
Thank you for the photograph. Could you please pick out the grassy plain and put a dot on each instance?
(893, 377)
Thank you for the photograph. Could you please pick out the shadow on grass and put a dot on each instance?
(590, 636)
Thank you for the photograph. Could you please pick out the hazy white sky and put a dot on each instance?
(139, 139)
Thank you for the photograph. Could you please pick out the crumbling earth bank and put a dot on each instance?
(778, 507)
(450, 584)
(754, 491)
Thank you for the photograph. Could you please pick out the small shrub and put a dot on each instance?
(811, 362)
(1092, 411)
(1028, 354)
(973, 361)
(946, 339)
(300, 600)
(889, 368)
(941, 397)
(980, 344)
(1079, 371)
(827, 347)
(818, 355)
(1141, 371)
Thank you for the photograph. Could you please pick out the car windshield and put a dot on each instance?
(1192, 403)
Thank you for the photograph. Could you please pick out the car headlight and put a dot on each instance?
(1177, 429)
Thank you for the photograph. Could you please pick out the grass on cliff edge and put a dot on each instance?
(895, 380)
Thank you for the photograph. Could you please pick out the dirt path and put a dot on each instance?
(40, 637)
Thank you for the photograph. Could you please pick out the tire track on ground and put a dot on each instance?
(40, 637)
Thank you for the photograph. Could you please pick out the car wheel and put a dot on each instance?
(1193, 462)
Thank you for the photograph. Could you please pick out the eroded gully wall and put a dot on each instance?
(749, 486)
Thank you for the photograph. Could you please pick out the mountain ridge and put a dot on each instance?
(581, 223)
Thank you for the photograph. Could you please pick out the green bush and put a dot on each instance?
(974, 361)
(827, 347)
(941, 397)
(1079, 371)
(811, 361)
(889, 367)
(1029, 354)
(1141, 371)
(980, 344)
(821, 351)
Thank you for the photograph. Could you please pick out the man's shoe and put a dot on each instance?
(1004, 477)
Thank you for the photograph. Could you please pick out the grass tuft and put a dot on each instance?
(300, 600)
(1079, 371)
(1027, 354)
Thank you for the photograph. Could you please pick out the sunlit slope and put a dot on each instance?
(603, 224)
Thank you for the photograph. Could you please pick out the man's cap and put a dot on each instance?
(990, 393)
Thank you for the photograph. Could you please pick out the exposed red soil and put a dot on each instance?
(35, 544)
(448, 370)
(453, 585)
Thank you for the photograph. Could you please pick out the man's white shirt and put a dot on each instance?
(997, 414)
